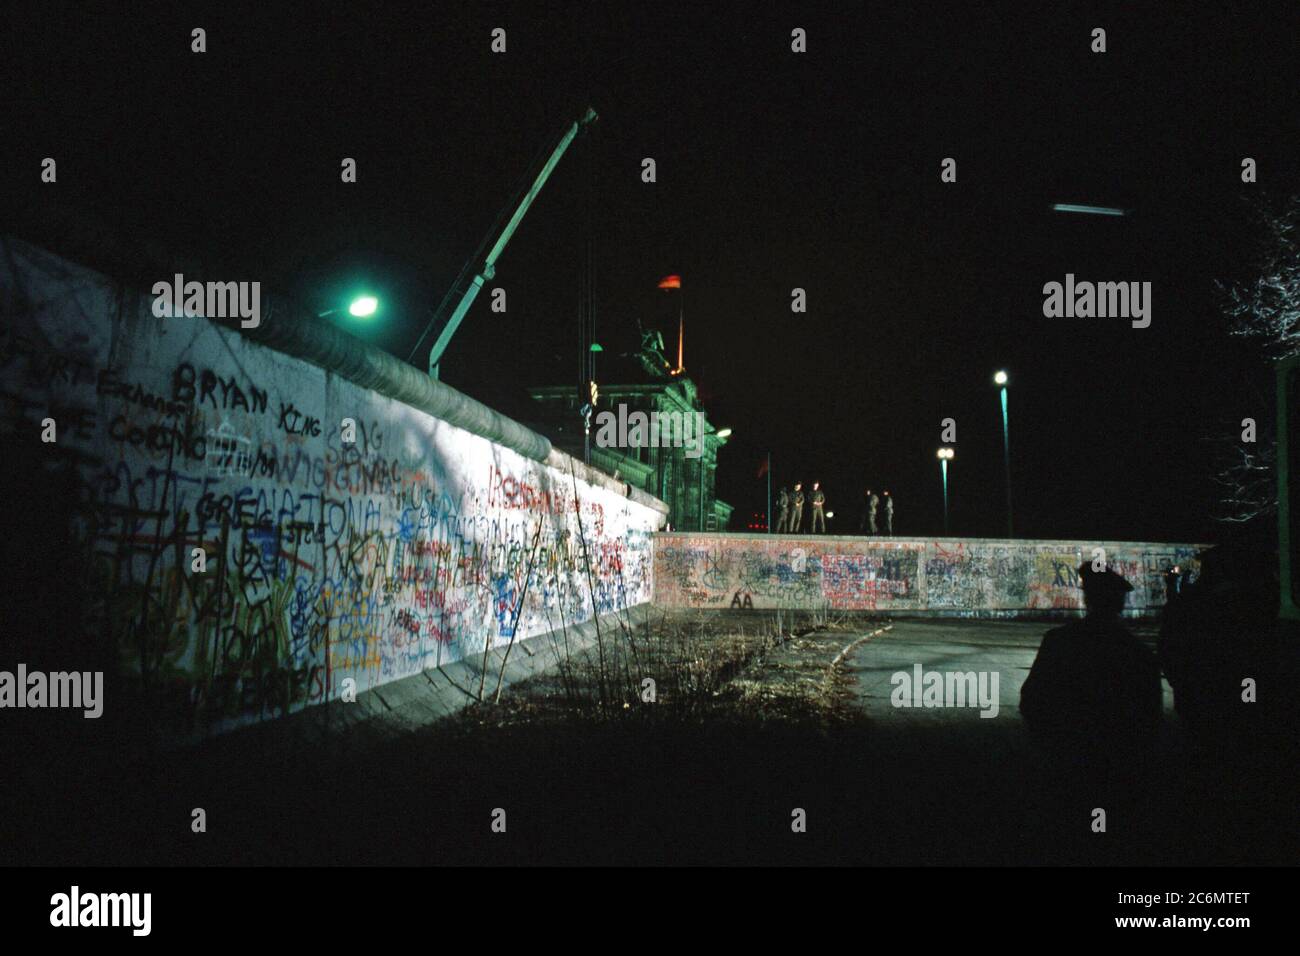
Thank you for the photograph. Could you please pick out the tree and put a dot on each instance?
(1265, 310)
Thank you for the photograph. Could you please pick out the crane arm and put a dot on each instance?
(446, 326)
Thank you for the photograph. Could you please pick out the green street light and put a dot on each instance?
(363, 306)
(1000, 378)
(1090, 210)
(945, 455)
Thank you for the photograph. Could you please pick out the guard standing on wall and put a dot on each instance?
(873, 503)
(782, 510)
(796, 510)
(818, 507)
(889, 514)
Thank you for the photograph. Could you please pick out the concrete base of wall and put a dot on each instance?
(405, 705)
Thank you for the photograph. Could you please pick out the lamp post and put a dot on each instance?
(1000, 379)
(945, 455)
(588, 408)
(721, 435)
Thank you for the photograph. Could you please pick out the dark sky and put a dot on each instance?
(775, 171)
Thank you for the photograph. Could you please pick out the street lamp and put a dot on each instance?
(362, 307)
(1090, 210)
(1000, 378)
(722, 434)
(945, 455)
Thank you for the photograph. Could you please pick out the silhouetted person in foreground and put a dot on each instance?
(1219, 647)
(1093, 687)
(1173, 584)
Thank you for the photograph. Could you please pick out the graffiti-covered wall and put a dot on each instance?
(962, 577)
(257, 529)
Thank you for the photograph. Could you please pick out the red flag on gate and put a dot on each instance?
(670, 282)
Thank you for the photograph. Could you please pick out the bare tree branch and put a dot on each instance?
(1265, 310)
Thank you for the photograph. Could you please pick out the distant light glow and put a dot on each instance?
(363, 306)
(724, 433)
(944, 453)
(1090, 210)
(1000, 378)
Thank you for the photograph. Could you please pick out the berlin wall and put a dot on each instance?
(959, 577)
(415, 544)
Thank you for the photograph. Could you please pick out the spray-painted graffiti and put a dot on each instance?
(959, 577)
(414, 545)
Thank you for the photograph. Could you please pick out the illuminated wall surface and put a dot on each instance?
(410, 548)
(970, 577)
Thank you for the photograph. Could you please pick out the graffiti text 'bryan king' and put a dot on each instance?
(212, 300)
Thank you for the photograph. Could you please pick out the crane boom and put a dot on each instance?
(445, 325)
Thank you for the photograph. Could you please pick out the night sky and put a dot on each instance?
(775, 171)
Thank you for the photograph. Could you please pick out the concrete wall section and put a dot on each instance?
(968, 577)
(417, 544)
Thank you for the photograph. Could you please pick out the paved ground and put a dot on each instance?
(877, 784)
(1004, 647)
